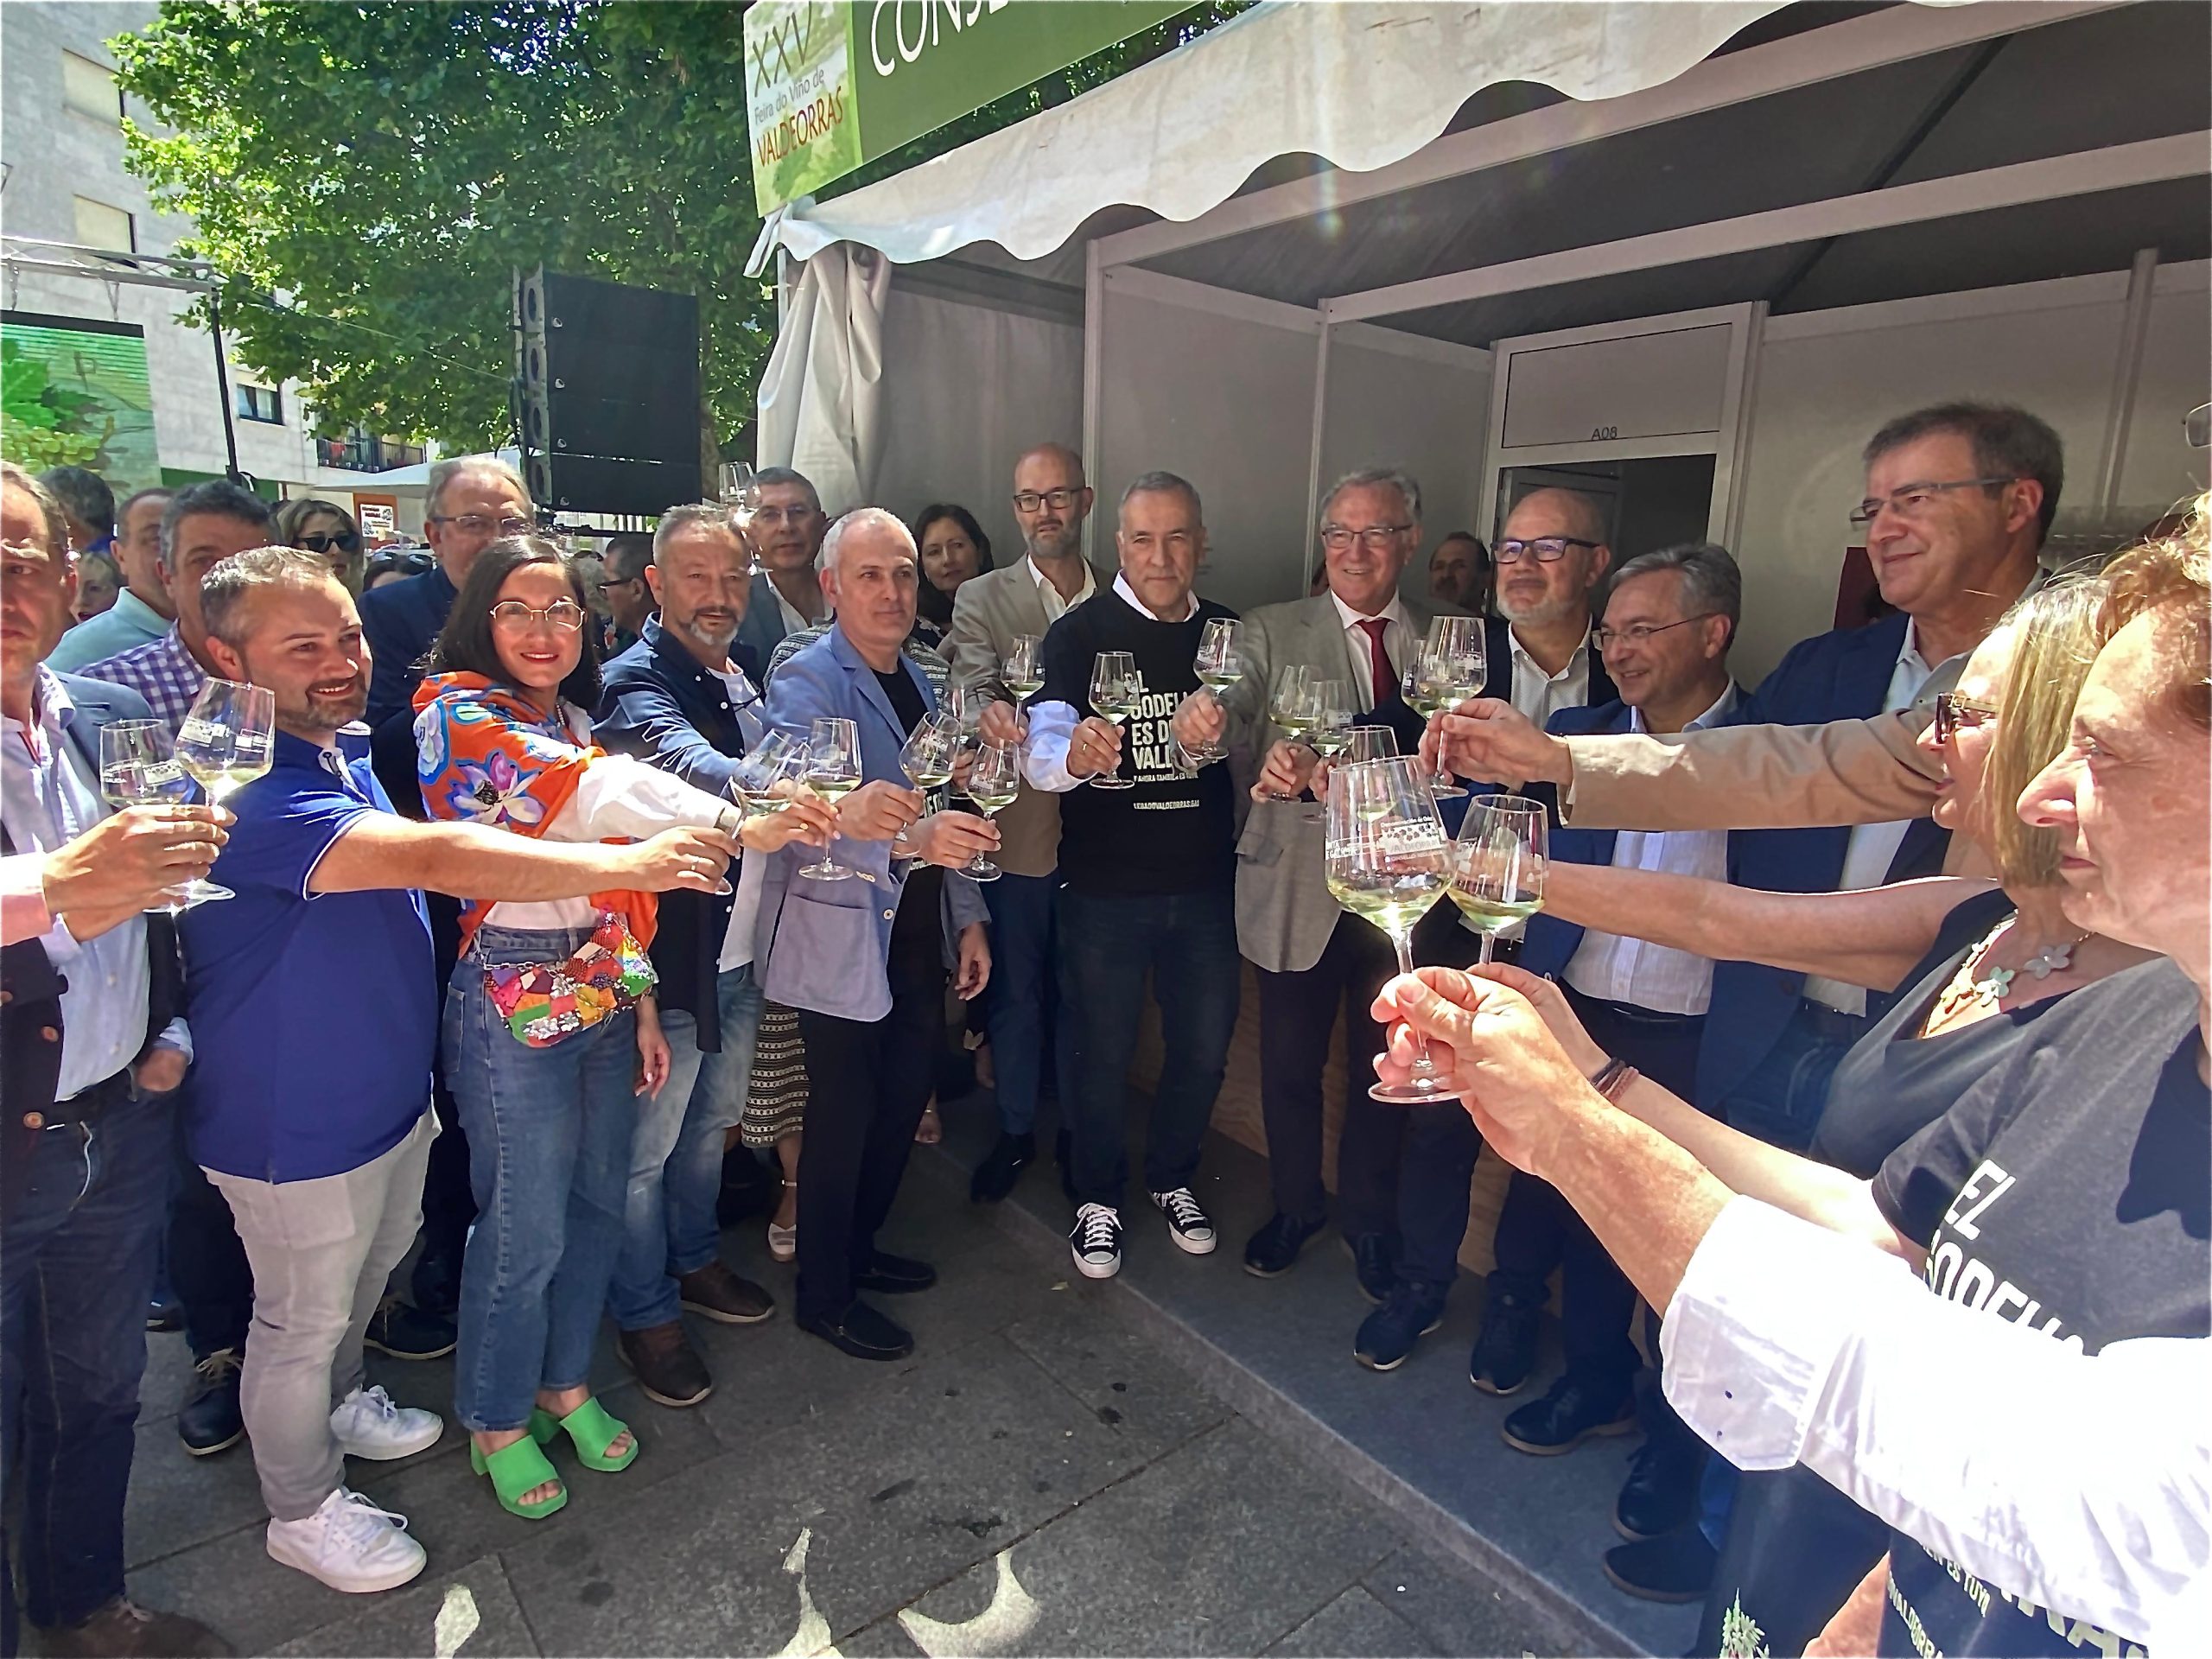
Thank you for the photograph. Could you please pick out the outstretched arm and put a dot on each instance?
(470, 861)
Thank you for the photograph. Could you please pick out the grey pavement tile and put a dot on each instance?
(405, 1622)
(168, 1374)
(895, 1489)
(1356, 1625)
(1220, 1548)
(1461, 1612)
(176, 1501)
(1134, 1388)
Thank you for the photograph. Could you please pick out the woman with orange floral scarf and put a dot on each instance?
(551, 1028)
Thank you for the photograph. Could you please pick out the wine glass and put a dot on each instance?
(1497, 864)
(138, 767)
(1450, 668)
(227, 735)
(1388, 862)
(1291, 705)
(1023, 673)
(994, 780)
(739, 490)
(1113, 694)
(1331, 733)
(777, 758)
(930, 751)
(1219, 665)
(833, 771)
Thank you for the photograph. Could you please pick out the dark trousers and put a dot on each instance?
(1022, 1005)
(1108, 943)
(1436, 1161)
(867, 1082)
(1781, 1099)
(1538, 1229)
(208, 1271)
(76, 1268)
(1298, 1016)
(448, 1202)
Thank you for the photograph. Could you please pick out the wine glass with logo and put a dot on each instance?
(1113, 693)
(930, 749)
(994, 780)
(139, 767)
(1022, 671)
(1388, 861)
(759, 780)
(833, 771)
(739, 490)
(227, 737)
(1450, 668)
(1497, 864)
(1329, 736)
(1219, 665)
(1292, 704)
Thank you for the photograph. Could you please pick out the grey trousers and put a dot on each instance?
(320, 1252)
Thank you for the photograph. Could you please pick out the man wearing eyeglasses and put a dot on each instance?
(472, 501)
(624, 590)
(786, 532)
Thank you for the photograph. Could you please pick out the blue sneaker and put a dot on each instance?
(1388, 1335)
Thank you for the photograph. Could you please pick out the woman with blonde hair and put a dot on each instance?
(318, 526)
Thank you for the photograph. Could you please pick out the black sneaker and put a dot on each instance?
(1188, 1225)
(1571, 1412)
(1505, 1349)
(1676, 1568)
(1274, 1248)
(1388, 1335)
(1660, 1494)
(165, 1313)
(210, 1421)
(407, 1332)
(1375, 1265)
(1095, 1242)
(995, 1176)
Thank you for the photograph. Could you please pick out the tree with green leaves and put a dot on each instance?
(365, 178)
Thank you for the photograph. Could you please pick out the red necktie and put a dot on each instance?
(1386, 677)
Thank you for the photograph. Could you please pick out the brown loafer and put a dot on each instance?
(666, 1365)
(715, 1293)
(123, 1628)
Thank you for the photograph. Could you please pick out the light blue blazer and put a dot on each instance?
(824, 945)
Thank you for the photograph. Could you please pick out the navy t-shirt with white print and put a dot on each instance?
(2067, 1192)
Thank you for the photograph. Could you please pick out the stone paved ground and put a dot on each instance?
(1037, 1479)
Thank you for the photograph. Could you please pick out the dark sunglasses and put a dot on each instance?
(1954, 711)
(348, 541)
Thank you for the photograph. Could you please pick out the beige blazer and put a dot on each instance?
(1761, 778)
(988, 611)
(1284, 911)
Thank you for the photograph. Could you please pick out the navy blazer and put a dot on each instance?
(30, 1013)
(1841, 675)
(1497, 682)
(401, 620)
(1548, 945)
(763, 629)
(658, 702)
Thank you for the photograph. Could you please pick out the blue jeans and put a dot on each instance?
(676, 1158)
(1021, 1008)
(549, 1137)
(76, 1266)
(1781, 1100)
(1109, 942)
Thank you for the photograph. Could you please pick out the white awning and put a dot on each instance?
(1358, 85)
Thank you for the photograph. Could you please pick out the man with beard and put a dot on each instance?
(317, 976)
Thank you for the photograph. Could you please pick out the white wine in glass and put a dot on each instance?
(138, 767)
(1497, 864)
(1115, 692)
(1023, 674)
(833, 771)
(227, 737)
(1388, 862)
(993, 781)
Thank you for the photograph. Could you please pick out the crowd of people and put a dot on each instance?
(1900, 956)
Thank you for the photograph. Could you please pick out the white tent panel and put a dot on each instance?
(2158, 466)
(1393, 404)
(820, 397)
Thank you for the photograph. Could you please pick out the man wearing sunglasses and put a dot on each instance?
(473, 500)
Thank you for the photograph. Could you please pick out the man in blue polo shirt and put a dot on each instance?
(320, 969)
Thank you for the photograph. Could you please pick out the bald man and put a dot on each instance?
(1549, 560)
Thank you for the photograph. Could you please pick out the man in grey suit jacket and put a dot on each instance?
(1313, 957)
(786, 534)
(989, 613)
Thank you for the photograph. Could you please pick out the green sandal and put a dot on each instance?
(511, 1477)
(590, 1430)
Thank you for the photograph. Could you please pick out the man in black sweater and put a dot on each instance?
(1147, 870)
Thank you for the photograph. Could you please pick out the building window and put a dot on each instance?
(260, 404)
(362, 451)
(99, 225)
(89, 88)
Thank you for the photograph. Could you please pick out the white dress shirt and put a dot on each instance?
(1055, 606)
(1399, 643)
(2082, 1483)
(1616, 969)
(1052, 725)
(750, 872)
(1540, 695)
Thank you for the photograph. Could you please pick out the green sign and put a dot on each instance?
(77, 395)
(831, 84)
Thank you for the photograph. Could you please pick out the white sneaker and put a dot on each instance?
(1095, 1242)
(368, 1425)
(1187, 1224)
(349, 1544)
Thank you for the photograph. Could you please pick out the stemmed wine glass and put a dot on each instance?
(1337, 741)
(138, 767)
(227, 736)
(833, 771)
(739, 490)
(1388, 861)
(1497, 864)
(1292, 705)
(930, 749)
(1113, 694)
(1023, 673)
(777, 758)
(994, 780)
(1449, 669)
(1219, 665)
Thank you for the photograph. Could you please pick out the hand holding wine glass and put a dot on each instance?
(1114, 691)
(833, 771)
(1219, 665)
(166, 852)
(993, 781)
